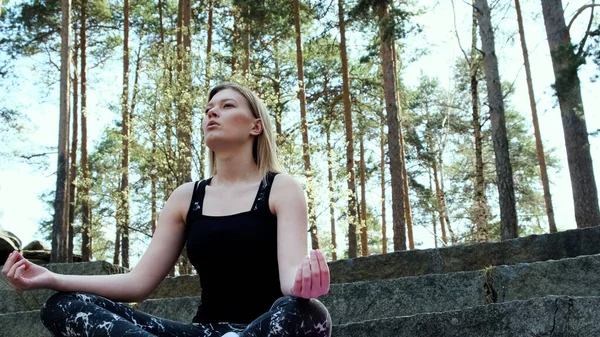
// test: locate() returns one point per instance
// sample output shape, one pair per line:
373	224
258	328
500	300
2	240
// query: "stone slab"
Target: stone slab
180	309
556	316
22	324
469	257
186	285
548	316
12	301
360	301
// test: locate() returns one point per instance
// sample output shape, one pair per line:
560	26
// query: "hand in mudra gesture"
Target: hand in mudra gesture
22	274
312	278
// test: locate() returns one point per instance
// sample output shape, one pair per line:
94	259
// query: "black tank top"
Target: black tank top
235	257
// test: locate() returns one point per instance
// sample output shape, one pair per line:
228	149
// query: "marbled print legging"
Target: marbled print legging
80	314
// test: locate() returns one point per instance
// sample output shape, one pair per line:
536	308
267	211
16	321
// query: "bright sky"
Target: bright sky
20	185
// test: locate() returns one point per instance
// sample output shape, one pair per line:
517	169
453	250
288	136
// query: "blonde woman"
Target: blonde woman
245	231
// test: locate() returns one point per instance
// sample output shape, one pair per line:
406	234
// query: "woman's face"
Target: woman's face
228	120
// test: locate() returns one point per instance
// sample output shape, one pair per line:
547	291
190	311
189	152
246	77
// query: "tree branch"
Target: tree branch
587	31
37	155
579	11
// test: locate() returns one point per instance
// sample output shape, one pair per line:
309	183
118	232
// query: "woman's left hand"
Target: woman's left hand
312	278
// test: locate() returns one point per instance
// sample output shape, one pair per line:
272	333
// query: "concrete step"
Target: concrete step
361	301
557	316
13	301
394	265
567	244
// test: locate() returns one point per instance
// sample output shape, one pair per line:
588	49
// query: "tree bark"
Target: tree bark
351	179
536	127
125	133
433	220
60	228
73	159
481	211
86	238
246	40
312	216
382	173
508	214
330	184
568	92
364	240
407	206
184	107
207	76
393	123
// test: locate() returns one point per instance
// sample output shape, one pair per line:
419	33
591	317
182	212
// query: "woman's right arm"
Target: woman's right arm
160	256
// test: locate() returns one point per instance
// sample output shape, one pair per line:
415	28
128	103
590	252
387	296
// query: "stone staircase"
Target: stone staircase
545	285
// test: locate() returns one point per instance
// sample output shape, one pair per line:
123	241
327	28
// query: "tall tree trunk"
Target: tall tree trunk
330	192
536	127
394	148
207	76
117	254
235	39
86	238
407	206
312	216
351	179
433	220
364	240
279	105
568	92
440	207
73	159
508	214
246	40
153	177
60	226
209	34
125	133
481	211
184	107
382	173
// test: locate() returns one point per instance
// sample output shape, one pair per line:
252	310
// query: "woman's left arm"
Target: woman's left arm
300	275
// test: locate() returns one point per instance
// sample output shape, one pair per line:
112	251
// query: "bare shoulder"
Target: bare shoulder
286	190
179	201
285	181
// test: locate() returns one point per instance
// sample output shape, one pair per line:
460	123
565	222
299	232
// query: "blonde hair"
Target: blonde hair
264	149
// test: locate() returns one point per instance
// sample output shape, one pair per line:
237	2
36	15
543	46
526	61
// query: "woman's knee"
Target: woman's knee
61	305
313	314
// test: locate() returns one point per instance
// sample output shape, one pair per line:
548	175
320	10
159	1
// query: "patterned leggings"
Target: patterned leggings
79	314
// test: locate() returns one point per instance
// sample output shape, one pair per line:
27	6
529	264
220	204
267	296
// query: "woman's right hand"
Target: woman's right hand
22	274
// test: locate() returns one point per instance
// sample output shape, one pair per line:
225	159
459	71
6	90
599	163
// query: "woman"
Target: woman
245	231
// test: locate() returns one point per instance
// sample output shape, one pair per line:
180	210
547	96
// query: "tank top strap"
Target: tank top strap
197	198
264	191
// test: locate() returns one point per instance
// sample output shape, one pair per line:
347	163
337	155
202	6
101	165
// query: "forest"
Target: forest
387	160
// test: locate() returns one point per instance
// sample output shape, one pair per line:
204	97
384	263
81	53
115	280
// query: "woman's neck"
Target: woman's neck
235	167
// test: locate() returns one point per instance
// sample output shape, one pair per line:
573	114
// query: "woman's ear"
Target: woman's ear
257	128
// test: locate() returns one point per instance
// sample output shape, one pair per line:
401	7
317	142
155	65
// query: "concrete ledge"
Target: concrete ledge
549	316
469	257
186	285
557	316
22	324
360	301
13	301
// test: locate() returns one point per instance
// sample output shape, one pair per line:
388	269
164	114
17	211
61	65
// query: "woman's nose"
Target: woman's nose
212	112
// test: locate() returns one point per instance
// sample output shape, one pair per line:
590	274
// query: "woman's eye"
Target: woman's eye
228	105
